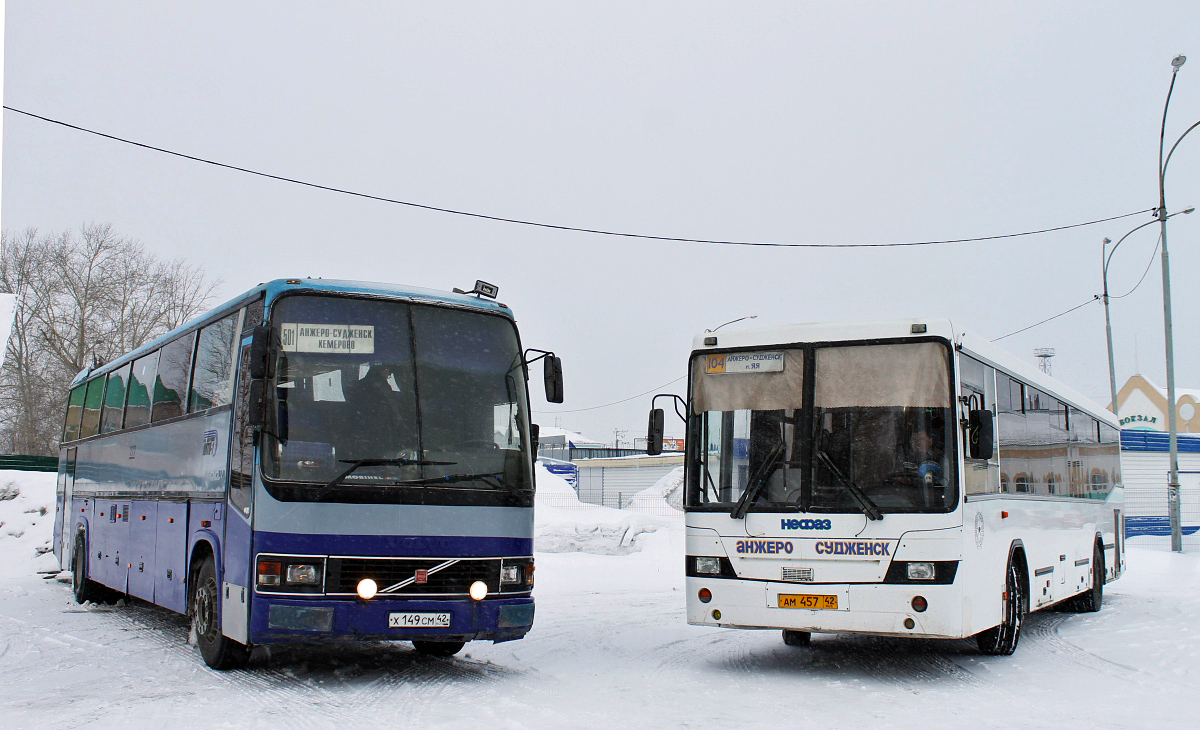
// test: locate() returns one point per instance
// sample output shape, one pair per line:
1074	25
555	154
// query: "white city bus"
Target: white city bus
896	478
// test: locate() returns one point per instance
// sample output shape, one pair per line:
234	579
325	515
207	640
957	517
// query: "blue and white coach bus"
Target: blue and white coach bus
313	459
895	478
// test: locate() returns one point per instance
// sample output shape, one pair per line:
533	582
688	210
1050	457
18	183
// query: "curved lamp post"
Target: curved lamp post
1172	416
1106	257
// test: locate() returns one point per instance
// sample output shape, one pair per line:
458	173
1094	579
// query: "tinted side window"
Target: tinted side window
74	413
170	387
141	386
114	401
212	381
92	401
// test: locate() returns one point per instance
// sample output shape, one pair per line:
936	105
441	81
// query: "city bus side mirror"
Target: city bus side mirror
552	367
535	431
256	408
260	346
980	435
654	432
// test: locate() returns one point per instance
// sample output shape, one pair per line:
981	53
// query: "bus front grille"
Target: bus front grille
399	576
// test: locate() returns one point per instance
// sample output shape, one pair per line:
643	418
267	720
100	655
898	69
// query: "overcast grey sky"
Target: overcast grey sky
836	122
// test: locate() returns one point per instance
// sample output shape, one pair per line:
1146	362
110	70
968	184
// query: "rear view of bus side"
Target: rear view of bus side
893	478
312	460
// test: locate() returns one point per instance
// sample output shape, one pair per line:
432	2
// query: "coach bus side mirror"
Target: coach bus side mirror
980	434
552	367
654	432
256	408
535	431
260	346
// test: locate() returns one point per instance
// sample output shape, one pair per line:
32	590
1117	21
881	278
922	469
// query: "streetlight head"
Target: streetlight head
1106	240
1186	211
1178	61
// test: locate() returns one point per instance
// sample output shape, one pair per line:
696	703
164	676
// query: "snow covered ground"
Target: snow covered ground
609	649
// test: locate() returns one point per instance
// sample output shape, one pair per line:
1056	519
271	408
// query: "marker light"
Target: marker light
919	604
716	614
367	589
705	595
478	590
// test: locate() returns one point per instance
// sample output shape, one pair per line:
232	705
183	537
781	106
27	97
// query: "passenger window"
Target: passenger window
254	315
114	401
92	401
170	387
74	413
212	381
141	386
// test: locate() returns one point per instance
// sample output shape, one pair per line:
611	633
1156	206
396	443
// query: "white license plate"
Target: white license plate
419	620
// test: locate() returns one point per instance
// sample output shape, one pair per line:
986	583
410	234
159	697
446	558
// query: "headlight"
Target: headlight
367	589
920	571
478	590
708	566
510	575
303	575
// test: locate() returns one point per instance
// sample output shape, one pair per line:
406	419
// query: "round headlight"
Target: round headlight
478	590
367	589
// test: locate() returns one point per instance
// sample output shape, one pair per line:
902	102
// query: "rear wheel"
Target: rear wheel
218	650
1002	640
82	588
1091	600
438	648
796	638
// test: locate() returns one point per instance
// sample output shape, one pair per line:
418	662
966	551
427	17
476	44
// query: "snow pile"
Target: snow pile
666	493
563	524
26	521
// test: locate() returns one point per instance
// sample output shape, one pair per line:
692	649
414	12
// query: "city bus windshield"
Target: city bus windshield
848	428
379	400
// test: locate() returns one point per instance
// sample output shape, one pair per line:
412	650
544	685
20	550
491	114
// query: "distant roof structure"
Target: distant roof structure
550	435
1142	406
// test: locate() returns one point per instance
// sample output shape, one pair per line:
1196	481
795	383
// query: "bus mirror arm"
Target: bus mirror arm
655	427
552	369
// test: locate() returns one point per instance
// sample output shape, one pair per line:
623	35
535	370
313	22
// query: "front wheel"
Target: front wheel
218	650
438	648
1002	640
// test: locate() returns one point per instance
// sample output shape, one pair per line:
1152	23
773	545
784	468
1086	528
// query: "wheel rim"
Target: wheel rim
204	610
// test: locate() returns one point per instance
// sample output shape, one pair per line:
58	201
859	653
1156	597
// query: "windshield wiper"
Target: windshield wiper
493	479
357	463
757	482
864	502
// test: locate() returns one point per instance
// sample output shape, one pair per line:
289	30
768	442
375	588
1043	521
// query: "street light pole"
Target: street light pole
1173	511
1105	258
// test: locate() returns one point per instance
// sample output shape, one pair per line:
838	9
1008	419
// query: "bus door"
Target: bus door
64	519
237	541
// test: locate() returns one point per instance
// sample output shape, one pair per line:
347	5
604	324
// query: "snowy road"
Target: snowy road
609	649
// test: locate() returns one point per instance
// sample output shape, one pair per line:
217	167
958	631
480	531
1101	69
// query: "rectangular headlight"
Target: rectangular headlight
303	575
708	566
510	575
920	571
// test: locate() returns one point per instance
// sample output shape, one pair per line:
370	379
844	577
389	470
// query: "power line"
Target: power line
616	402
552	226
1095	297
1147	271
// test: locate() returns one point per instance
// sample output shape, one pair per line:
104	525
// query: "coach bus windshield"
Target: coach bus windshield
378	400
847	428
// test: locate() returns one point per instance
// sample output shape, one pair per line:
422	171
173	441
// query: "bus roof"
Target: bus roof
275	288
889	329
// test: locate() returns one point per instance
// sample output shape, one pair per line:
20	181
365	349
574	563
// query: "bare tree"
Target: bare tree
82	298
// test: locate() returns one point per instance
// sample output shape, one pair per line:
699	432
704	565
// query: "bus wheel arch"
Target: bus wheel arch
1002	640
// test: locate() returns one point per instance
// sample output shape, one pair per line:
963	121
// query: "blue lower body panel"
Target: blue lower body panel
293	619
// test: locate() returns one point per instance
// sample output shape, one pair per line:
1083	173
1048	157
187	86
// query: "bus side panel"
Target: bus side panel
142	537
171	556
986	544
236	587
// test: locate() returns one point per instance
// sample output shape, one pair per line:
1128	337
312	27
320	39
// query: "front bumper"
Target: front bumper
274	620
874	608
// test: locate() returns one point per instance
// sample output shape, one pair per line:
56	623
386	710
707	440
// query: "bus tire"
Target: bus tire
1092	599
1002	640
438	648
218	650
796	638
82	588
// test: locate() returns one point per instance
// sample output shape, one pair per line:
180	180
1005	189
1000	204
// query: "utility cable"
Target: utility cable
616	402
1147	271
1095	298
552	226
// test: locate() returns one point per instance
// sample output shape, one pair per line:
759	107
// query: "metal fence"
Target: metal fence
616	501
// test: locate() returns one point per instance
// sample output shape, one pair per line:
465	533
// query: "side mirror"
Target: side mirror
980	434
654	432
256	408
534	432
552	368
260	347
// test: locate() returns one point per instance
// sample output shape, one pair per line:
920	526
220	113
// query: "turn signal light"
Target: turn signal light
919	604
268	572
705	595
